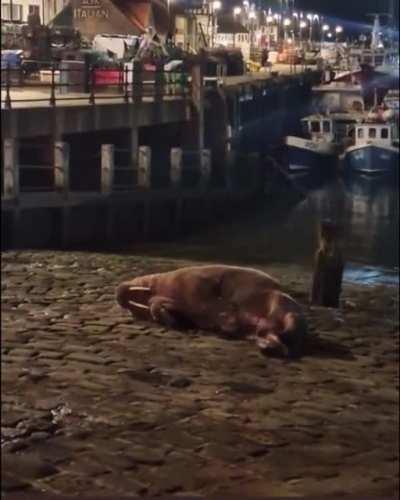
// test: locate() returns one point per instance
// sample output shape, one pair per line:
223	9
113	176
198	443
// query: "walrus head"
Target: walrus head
135	298
282	337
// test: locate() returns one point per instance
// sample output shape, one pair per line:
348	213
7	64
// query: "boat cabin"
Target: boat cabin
374	133
337	97
318	127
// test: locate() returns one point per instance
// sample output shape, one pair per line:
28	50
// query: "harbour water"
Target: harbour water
284	230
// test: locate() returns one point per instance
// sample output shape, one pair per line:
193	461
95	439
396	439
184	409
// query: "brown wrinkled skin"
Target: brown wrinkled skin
228	299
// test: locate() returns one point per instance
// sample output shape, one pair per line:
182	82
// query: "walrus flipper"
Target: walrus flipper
165	311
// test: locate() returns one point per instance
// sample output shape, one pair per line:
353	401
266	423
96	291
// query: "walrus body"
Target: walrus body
228	299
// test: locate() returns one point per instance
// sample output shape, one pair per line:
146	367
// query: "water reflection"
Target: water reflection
368	209
369	212
286	231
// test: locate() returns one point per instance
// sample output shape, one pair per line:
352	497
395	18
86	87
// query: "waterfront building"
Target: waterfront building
92	17
17	11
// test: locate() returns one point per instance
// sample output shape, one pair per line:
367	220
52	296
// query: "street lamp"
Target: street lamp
325	28
286	23
251	16
338	30
237	11
310	18
216	5
302	25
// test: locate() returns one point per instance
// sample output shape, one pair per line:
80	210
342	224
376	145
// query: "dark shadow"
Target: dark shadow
322	348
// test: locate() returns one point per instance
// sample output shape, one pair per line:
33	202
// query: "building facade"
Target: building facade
17	11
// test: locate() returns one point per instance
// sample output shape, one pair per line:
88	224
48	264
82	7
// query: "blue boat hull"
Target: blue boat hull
300	159
372	160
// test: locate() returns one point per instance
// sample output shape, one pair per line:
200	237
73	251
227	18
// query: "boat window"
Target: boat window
360	133
372	133
326	126
315	127
385	133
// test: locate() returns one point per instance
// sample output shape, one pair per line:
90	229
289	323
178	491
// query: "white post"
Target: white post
11	169
107	168
176	166
144	167
205	167
61	167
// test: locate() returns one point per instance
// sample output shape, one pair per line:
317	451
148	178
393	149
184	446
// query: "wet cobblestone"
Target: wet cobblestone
93	402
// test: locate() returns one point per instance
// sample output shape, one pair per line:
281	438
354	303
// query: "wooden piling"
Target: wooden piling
144	167
11	170
328	268
176	167
107	168
61	167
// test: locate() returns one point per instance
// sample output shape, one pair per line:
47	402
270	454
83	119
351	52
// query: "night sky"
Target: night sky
346	9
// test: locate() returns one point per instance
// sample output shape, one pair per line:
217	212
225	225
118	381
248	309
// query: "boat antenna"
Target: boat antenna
376	28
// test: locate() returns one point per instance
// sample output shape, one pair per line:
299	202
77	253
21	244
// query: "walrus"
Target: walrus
228	299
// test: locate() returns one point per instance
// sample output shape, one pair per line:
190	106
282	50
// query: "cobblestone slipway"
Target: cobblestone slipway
93	402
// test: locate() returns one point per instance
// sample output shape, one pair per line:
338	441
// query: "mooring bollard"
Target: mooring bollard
107	168
144	167
329	265
176	167
61	167
205	167
11	169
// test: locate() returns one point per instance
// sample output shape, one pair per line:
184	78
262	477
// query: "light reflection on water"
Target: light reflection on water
286	232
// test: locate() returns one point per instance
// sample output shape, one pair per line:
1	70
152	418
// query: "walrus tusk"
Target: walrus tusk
137	304
139	289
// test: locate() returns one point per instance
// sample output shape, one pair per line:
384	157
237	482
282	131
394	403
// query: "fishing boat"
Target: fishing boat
392	101
376	146
325	136
305	153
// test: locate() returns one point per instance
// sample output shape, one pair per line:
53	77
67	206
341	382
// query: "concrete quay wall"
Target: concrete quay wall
30	122
100	221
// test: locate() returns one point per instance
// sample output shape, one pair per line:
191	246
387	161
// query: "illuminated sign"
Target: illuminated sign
89	9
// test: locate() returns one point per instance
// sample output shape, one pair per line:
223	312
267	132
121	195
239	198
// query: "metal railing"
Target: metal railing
57	83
